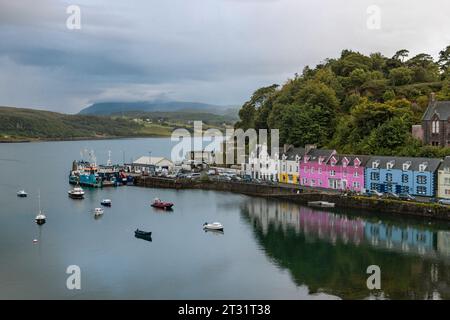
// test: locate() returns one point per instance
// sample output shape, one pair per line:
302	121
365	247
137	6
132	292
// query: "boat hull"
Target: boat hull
76	196
165	206
321	204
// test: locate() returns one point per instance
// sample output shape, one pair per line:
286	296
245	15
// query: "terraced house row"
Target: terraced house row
321	168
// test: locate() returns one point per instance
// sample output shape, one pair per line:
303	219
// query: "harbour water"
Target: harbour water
269	250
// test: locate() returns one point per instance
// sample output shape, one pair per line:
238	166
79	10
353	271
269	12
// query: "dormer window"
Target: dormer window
356	162
375	164
423	166
390	164
320	160
406	165
333	161
297	158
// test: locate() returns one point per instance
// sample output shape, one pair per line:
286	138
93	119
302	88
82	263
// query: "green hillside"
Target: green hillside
27	124
362	104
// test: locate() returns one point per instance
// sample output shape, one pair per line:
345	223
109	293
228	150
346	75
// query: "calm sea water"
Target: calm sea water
270	249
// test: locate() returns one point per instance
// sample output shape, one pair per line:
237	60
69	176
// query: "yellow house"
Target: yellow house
288	167
444	179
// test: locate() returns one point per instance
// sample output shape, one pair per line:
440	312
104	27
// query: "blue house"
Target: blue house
416	176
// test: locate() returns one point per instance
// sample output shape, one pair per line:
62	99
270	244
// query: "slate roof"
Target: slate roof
445	164
351	158
432	163
314	154
441	108
291	153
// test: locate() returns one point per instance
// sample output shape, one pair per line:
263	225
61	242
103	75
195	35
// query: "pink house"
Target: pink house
346	172
326	169
313	168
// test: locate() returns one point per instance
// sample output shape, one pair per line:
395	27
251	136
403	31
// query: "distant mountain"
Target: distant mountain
109	108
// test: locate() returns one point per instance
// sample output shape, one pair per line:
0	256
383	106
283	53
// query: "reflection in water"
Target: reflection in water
330	252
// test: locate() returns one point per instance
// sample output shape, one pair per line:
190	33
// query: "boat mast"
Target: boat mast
39	200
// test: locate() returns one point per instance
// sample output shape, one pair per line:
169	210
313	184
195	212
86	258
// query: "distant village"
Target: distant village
403	177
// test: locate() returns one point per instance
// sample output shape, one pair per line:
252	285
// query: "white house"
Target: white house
261	165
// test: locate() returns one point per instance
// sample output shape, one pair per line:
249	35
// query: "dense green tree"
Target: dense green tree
401	55
355	103
444	59
401	76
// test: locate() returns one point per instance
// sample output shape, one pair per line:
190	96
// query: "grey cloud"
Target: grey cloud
215	51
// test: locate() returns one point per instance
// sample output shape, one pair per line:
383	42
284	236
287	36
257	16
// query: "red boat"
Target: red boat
161	204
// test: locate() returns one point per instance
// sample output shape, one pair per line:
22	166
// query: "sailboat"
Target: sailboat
40	218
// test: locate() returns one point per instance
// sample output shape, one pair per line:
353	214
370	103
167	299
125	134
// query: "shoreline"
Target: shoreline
32	140
302	196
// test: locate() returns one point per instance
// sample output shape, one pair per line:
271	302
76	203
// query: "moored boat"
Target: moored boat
216	226
76	193
98	212
40	218
157	203
22	194
106	202
144	235
321	204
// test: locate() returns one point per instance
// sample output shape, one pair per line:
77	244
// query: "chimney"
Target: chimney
309	147
432	97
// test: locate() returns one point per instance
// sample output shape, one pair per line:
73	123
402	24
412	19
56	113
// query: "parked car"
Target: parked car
374	193
444	201
391	195
406	196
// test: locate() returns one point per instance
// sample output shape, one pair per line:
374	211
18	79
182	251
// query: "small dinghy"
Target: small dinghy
106	202
216	226
76	193
321	204
143	235
98	212
161	204
40	218
22	194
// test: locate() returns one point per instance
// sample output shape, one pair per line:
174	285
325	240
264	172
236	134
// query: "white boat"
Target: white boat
22	194
98	211
213	226
106	202
76	193
321	204
40	218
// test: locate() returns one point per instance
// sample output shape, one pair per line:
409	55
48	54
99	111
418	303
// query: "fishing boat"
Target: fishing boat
143	235
40	218
321	204
106	202
98	212
76	193
157	203
22	194
217	226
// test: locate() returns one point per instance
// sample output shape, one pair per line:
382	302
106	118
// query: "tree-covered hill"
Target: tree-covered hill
356	103
29	124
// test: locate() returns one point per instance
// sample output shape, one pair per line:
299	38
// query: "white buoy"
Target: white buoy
35	240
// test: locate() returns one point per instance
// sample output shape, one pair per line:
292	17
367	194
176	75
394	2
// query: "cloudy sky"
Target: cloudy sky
213	51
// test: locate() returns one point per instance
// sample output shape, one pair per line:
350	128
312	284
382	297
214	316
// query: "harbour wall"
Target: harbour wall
303	196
